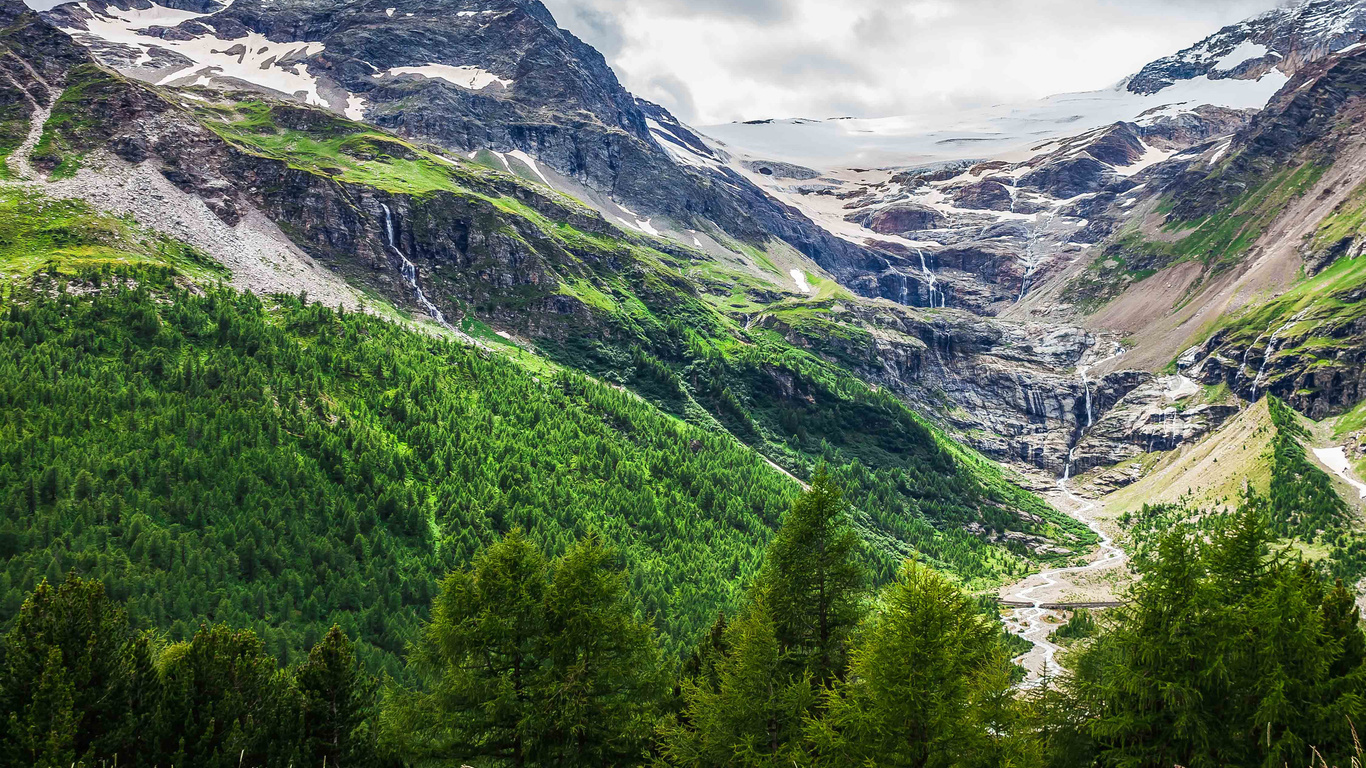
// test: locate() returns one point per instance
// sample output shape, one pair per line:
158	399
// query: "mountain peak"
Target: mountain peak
1284	39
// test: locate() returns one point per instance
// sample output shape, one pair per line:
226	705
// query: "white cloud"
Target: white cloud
716	61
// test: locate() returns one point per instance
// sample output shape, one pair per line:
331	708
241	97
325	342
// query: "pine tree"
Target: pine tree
337	699
928	685
754	713
225	703
599	698
814	585
66	684
482	655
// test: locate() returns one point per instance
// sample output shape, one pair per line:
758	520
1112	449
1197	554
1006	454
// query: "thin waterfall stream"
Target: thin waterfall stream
407	268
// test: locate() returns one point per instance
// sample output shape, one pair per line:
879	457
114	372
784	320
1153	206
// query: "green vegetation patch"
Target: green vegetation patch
1218	240
76	123
38	233
1314	322
1347	221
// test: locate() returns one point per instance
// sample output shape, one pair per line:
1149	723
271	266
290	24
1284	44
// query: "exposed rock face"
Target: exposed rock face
986	195
1152	417
782	170
1188	129
1118	146
538	90
1012	390
1069	178
900	219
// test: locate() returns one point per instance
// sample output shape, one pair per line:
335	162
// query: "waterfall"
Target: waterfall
1086	387
407	268
1029	260
1083	371
1270	348
930	280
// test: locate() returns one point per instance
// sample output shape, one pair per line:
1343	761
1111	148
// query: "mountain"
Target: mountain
356	358
470	76
335	332
1285	39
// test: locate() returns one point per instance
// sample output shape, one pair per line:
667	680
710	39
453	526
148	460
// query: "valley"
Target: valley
346	343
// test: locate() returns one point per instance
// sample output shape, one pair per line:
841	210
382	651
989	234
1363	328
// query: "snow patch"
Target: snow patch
1336	460
1245	51
251	59
472	78
389	11
799	277
355	107
530	162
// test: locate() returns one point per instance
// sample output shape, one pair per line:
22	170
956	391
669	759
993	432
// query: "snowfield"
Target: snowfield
996	131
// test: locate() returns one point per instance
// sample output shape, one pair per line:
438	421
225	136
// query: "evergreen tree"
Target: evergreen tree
1226	655
482	656
530	663
338	698
225	703
599	702
928	685
71	681
753	714
813	582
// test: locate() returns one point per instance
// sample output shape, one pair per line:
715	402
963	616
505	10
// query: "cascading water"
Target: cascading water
1083	371
1029	260
407	268
930	281
1270	348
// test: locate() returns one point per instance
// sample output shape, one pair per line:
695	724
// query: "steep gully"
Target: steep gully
1029	622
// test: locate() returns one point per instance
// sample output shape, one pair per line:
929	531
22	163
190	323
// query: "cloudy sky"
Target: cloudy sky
714	61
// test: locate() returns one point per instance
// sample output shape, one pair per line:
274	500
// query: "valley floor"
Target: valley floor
1101	578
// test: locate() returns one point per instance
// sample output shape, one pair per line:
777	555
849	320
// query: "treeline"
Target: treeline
1226	655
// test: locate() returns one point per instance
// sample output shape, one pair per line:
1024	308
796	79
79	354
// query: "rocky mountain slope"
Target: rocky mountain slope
497	81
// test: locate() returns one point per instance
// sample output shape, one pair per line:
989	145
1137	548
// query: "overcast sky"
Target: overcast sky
713	61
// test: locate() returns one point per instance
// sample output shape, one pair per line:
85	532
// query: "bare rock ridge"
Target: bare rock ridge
467	75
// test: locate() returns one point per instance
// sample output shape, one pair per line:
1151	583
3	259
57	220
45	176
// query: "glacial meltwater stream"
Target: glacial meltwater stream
1053	583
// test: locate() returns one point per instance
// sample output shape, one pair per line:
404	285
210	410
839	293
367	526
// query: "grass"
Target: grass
40	234
1220	239
1313	321
73	127
1347	220
1217	241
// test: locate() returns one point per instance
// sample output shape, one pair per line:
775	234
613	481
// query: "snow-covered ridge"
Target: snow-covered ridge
991	132
1285	38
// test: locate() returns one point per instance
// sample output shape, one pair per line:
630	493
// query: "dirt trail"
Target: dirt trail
1050	586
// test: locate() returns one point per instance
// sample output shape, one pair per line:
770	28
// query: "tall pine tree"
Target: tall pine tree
813	582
